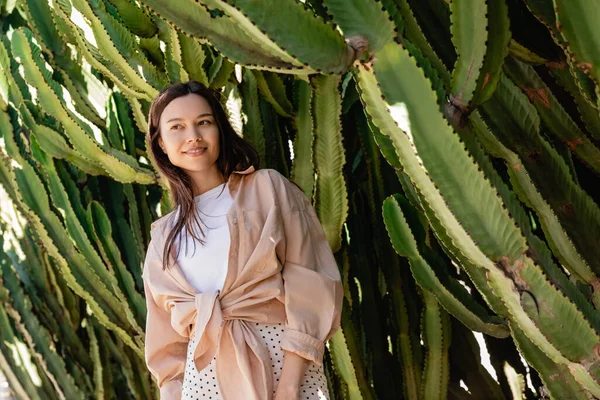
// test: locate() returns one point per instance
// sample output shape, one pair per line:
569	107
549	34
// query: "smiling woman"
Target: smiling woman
185	117
191	140
245	315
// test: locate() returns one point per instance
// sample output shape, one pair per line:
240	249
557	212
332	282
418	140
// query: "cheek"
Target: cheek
213	136
169	145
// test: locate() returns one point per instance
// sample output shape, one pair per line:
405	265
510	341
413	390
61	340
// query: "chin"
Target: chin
196	167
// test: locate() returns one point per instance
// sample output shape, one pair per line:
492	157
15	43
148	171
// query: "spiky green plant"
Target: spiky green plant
451	150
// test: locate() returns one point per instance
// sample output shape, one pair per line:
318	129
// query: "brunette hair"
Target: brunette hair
235	154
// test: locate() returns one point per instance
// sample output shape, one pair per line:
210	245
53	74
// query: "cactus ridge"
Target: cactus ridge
469	32
34	210
483	217
331	197
453	297
78	136
303	169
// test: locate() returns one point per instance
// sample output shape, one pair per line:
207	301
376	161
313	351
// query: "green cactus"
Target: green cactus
450	149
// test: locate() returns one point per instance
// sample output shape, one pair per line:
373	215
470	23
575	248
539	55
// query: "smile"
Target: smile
195	152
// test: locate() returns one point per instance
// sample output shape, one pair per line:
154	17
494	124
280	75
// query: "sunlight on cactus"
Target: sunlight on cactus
456	142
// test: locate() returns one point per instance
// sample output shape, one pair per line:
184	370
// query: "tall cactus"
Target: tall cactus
451	150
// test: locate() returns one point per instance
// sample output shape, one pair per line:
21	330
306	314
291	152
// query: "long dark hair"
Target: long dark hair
235	154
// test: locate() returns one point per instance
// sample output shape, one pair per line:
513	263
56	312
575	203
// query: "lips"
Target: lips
196	151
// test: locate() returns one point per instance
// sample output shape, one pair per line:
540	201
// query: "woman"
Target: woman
241	286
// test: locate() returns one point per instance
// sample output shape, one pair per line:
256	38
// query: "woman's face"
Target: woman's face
189	134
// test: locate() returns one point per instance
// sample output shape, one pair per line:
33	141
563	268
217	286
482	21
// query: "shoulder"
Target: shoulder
158	226
287	194
271	176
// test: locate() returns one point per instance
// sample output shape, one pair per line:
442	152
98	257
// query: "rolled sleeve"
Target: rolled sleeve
165	349
312	284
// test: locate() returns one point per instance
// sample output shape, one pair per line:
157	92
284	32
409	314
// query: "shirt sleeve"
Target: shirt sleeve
312	283
165	349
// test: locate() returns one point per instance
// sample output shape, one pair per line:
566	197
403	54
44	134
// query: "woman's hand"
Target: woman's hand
292	374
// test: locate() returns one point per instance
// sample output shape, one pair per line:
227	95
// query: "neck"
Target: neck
206	180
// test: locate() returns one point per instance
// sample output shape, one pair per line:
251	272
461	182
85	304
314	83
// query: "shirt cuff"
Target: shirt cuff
304	345
171	390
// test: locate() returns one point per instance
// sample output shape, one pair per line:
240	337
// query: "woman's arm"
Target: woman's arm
294	367
313	292
165	349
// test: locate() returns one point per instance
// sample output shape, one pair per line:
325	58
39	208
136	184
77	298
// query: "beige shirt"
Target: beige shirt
281	270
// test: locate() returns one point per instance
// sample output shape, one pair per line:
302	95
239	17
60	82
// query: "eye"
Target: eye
175	127
203	122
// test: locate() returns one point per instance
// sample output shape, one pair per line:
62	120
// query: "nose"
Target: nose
193	135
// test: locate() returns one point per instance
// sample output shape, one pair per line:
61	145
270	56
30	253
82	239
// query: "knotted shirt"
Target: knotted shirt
281	270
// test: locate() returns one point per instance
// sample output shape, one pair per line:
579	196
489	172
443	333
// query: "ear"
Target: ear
162	145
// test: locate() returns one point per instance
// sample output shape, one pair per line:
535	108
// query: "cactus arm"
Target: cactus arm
363	18
55	146
503	284
100	22
469	35
313	43
13	367
138	114
558	239
303	168
556	378
498	40
460	305
129	231
537	247
273	90
121	47
260	36
331	197
253	128
92	55
578	20
435	336
193	56
393	10
544	11
225	34
438	147
407	341
343	364
554	116
95	353
44	28
233	105
136	19
9	89
220	72
516	382
173	53
514	120
414	33
110	160
408	161
588	111
76	84
37	337
102	235
32	198
522	53
76	232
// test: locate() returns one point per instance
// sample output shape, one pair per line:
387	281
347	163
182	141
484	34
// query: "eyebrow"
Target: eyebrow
181	119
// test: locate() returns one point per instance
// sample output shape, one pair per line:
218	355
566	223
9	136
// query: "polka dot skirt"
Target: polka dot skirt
203	384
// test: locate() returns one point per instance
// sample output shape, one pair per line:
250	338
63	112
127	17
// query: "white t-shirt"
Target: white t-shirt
206	267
